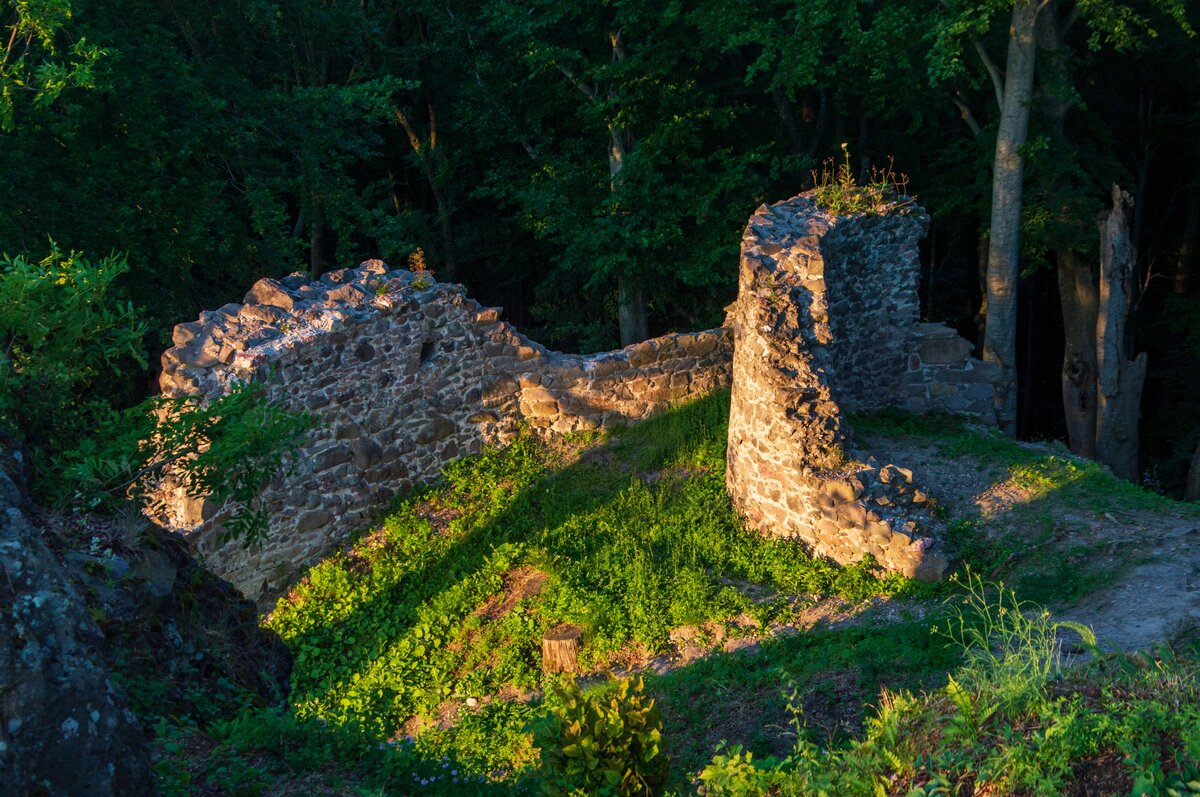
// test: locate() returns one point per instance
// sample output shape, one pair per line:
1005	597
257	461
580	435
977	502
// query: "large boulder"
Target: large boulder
64	728
90	604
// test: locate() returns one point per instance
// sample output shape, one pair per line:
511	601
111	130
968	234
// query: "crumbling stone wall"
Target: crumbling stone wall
826	323
403	376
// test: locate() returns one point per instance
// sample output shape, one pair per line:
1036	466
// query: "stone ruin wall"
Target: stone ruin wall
826	322
403	376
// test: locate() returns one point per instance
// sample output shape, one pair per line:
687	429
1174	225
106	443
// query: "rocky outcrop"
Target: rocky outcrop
175	629
64	728
105	622
404	376
826	322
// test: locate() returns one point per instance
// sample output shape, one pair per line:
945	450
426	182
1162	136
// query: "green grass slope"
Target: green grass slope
417	648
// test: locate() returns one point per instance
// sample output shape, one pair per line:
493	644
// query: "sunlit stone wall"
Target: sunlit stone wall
825	323
403	377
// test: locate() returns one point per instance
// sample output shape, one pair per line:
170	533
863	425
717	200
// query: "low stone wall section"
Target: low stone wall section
942	376
403	376
825	323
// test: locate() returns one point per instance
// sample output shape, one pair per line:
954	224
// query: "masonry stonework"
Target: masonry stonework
403	376
826	323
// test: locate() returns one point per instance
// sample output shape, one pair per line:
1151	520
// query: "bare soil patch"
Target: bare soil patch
1154	554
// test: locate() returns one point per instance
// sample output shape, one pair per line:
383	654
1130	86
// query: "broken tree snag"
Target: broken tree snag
560	649
1119	378
1077	292
1192	491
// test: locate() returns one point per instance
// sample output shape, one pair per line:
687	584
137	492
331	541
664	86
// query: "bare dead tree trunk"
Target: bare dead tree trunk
1000	336
1120	379
1079	299
1191	491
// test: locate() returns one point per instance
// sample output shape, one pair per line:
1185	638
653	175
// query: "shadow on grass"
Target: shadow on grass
821	682
639	535
548	501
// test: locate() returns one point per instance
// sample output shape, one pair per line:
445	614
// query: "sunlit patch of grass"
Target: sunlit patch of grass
633	533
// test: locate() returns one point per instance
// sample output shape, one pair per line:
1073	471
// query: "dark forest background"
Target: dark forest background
213	142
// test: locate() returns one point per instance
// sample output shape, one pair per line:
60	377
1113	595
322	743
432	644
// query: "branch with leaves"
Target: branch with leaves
224	451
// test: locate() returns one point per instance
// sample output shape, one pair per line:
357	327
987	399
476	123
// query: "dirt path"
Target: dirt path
1152	555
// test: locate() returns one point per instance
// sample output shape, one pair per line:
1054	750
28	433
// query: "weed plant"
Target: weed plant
837	190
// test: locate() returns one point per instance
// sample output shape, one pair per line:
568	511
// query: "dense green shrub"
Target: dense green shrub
606	742
64	335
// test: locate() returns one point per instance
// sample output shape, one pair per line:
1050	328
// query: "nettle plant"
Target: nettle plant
837	191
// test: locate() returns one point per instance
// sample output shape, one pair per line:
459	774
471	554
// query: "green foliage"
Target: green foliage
997	726
839	192
605	741
224	450
33	31
65	333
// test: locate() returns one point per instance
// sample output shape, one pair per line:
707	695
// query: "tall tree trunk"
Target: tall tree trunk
1190	244
1077	293
783	106
631	301
428	155
1120	379
1077	289
1000	336
631	311
316	240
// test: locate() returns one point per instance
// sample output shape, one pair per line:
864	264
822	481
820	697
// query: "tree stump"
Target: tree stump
560	649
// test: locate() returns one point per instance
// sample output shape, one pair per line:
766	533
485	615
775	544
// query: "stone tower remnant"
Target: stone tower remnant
826	323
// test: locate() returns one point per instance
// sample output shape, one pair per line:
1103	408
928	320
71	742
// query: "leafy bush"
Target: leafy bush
223	450
606	742
62	334
65	336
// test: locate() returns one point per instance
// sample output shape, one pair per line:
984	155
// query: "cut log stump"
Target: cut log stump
560	649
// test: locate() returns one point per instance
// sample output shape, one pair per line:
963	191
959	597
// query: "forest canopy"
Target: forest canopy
590	166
